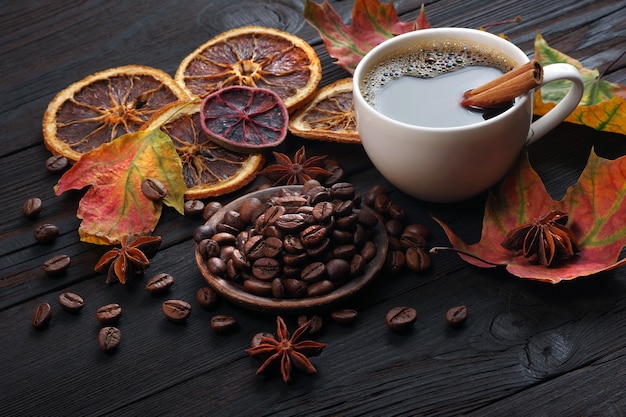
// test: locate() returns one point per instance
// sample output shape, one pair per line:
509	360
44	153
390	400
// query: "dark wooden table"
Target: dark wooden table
527	348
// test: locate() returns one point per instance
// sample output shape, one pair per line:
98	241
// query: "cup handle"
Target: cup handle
550	120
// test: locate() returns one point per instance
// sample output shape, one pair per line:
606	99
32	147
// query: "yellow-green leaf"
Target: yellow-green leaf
603	106
115	206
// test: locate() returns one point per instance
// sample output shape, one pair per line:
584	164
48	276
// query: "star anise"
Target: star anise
289	350
131	259
298	171
547	239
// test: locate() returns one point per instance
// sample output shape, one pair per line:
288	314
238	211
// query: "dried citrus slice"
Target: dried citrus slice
328	116
208	168
105	105
245	119
254	56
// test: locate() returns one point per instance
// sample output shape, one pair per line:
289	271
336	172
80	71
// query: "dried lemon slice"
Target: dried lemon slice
208	169
254	56
105	105
328	116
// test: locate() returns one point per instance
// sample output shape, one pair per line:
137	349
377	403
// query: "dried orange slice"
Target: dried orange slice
245	119
328	116
208	169
105	105
254	56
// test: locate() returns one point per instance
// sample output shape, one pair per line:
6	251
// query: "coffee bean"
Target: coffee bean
367	218
258	287
342	191
159	283
41	316
109	338
417	260
319	288
266	269
418	229
153	189
56	265
202	232
357	265
400	319
56	163
456	316
109	313
368	251
313	272
193	208
223	324
210	209
396	261
208	248
372	193
46	233
250	209
323	211
257	339
71	302
216	266
32	207
207	298
337	269
317	323
272	246
381	204
313	235
345	316
278	289
176	310
295	288
394	227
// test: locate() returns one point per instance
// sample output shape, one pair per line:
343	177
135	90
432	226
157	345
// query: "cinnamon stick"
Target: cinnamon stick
505	88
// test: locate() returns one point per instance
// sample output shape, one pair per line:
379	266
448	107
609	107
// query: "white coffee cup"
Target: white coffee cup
454	163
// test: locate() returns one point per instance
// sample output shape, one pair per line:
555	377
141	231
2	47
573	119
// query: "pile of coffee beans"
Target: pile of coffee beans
294	244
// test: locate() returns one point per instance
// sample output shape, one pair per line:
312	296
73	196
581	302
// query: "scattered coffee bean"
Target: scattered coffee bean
176	310
109	338
41	316
257	339
56	163
159	283
317	323
109	313
400	319
193	208
417	260
345	316
456	316
46	233
71	302
56	265
207	298
222	324
32	207
153	189
210	209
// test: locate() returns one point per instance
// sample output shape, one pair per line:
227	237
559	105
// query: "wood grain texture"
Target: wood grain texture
527	348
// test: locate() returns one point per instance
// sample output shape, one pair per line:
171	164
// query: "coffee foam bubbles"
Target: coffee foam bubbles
430	59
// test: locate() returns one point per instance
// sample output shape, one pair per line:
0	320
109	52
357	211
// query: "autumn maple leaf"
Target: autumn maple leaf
596	216
372	23
115	206
603	106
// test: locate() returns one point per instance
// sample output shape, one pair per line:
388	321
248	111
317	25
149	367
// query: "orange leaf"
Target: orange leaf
115	206
596	206
603	106
372	23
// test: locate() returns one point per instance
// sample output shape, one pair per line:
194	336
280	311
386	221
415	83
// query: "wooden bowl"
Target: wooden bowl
235	293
